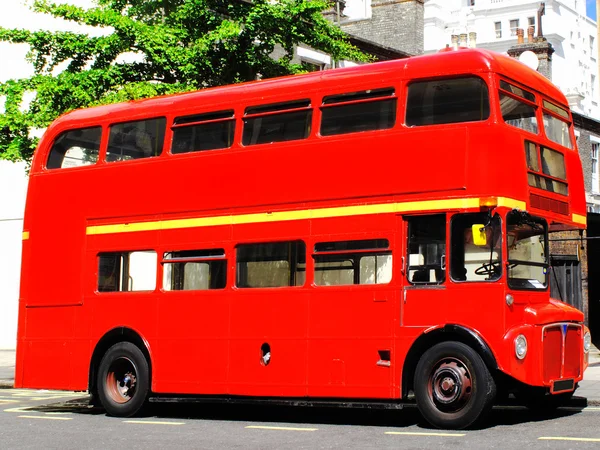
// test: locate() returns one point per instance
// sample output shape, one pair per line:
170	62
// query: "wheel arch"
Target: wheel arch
449	332
112	337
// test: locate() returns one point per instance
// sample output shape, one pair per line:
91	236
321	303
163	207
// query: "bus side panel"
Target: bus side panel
48	348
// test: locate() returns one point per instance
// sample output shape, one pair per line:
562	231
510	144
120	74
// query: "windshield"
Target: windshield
471	261
527	251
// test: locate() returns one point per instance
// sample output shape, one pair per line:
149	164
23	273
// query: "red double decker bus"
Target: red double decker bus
349	236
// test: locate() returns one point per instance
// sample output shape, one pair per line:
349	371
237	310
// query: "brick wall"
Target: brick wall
397	24
585	153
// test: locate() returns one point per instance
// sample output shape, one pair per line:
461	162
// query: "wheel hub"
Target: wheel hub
450	384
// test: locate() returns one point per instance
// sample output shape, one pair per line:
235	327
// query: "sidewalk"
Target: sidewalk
589	388
7	368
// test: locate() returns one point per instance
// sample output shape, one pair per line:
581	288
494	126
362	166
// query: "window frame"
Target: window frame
523	97
125	262
540	171
105	149
293	268
485	83
64	133
363	96
278	109
222	256
381	247
228	116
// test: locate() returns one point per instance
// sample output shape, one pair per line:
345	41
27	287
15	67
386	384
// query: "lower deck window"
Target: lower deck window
274	264
127	271
353	262
194	270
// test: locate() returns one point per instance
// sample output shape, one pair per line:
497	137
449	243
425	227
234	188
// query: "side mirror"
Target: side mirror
479	237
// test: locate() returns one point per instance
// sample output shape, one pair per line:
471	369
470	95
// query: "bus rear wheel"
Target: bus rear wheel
453	387
123	380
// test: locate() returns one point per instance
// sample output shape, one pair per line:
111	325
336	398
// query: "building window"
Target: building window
275	264
592	40
514	24
595	147
127	271
312	66
498	28
194	270
353	262
531	23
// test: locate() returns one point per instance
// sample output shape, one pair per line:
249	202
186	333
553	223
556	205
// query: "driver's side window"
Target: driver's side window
427	249
472	261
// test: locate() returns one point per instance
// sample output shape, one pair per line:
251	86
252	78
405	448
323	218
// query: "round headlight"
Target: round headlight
520	346
587	342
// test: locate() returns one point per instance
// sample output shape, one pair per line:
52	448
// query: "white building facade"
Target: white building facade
13	176
564	24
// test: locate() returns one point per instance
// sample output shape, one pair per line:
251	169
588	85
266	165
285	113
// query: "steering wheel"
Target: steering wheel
489	269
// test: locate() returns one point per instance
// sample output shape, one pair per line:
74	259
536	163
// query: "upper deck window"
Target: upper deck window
518	109
373	109
134	140
556	124
210	131
552	165
277	122
447	101
75	148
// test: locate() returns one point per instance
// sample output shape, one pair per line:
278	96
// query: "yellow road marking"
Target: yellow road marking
559	438
259	427
150	422
46	417
21	409
415	433
3	401
317	213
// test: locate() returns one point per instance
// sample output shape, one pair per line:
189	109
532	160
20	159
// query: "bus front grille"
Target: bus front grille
562	348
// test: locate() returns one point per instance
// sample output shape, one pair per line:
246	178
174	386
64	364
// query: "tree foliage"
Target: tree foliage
172	46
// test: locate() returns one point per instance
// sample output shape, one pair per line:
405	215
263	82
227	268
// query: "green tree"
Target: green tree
181	45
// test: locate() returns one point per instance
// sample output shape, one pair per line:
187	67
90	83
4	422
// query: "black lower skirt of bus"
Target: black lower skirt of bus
285	401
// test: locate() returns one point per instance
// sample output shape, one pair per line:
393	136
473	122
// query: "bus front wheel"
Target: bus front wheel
123	380
453	387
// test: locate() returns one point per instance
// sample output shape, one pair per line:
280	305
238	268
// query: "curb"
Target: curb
7	384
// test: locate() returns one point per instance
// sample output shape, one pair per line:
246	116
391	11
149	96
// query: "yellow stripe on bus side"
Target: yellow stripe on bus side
282	216
25	235
579	219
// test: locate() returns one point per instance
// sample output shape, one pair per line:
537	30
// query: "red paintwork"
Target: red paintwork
324	340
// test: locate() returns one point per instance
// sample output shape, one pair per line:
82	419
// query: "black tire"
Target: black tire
123	380
453	387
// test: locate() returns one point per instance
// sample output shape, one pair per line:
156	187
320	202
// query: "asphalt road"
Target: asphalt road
51	419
